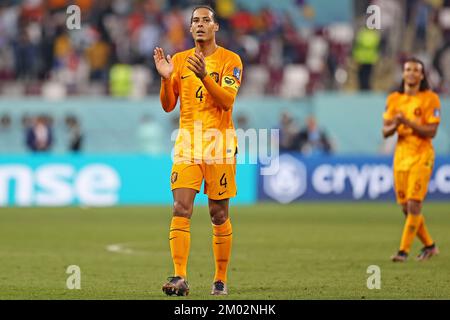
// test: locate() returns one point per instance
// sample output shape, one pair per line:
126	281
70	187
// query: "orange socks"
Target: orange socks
180	241
222	240
423	234
412	224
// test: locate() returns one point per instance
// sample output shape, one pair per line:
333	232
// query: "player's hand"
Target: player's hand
197	65
400	118
163	65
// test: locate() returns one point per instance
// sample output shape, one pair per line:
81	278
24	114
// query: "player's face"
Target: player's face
412	73
203	27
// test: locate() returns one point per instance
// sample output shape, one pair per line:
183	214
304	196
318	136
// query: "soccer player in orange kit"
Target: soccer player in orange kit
413	112
206	79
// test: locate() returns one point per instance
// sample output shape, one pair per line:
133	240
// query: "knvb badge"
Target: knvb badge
237	73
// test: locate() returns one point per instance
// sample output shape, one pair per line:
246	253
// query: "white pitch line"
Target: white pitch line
119	248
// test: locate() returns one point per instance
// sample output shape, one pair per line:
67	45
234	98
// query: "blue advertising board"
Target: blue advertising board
88	180
342	178
44	180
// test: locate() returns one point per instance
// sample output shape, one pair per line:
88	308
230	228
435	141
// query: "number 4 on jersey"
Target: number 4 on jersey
199	93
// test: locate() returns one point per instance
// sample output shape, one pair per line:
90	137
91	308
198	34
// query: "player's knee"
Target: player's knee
182	209
218	219
405	209
218	215
414	206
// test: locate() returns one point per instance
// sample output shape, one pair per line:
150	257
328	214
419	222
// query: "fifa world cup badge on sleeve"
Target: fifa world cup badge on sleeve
237	73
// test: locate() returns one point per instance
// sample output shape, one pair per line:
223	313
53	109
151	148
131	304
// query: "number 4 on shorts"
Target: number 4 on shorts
223	181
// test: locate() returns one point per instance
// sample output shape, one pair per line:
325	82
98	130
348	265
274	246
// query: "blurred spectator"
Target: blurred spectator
5	122
150	135
391	24
288	133
62	47
36	45
422	16
120	80
39	135
225	8
366	54
442	54
312	140
97	56
75	135
242	122
7	133
174	24
56	5
26	54
140	78
147	37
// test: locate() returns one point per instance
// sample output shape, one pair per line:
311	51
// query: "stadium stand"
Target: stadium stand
290	49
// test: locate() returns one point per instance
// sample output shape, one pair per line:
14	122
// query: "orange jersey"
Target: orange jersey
206	130
423	108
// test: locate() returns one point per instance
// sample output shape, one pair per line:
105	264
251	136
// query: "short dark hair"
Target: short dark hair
424	85
204	7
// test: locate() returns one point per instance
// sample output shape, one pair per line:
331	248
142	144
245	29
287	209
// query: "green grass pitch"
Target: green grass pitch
299	251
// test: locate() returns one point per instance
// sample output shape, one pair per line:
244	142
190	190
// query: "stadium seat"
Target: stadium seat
444	18
318	46
94	88
341	33
256	78
295	80
318	49
12	89
141	80
53	90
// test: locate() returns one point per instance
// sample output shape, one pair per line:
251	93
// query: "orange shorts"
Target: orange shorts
412	184
220	179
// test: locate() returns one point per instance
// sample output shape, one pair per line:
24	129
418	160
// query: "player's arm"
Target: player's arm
224	97
389	127
165	67
422	130
390	123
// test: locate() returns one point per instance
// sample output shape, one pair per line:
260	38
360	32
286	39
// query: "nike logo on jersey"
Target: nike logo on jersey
221	193
172	238
184	77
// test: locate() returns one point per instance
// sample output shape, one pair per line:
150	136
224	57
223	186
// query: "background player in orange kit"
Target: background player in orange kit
206	79
414	113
